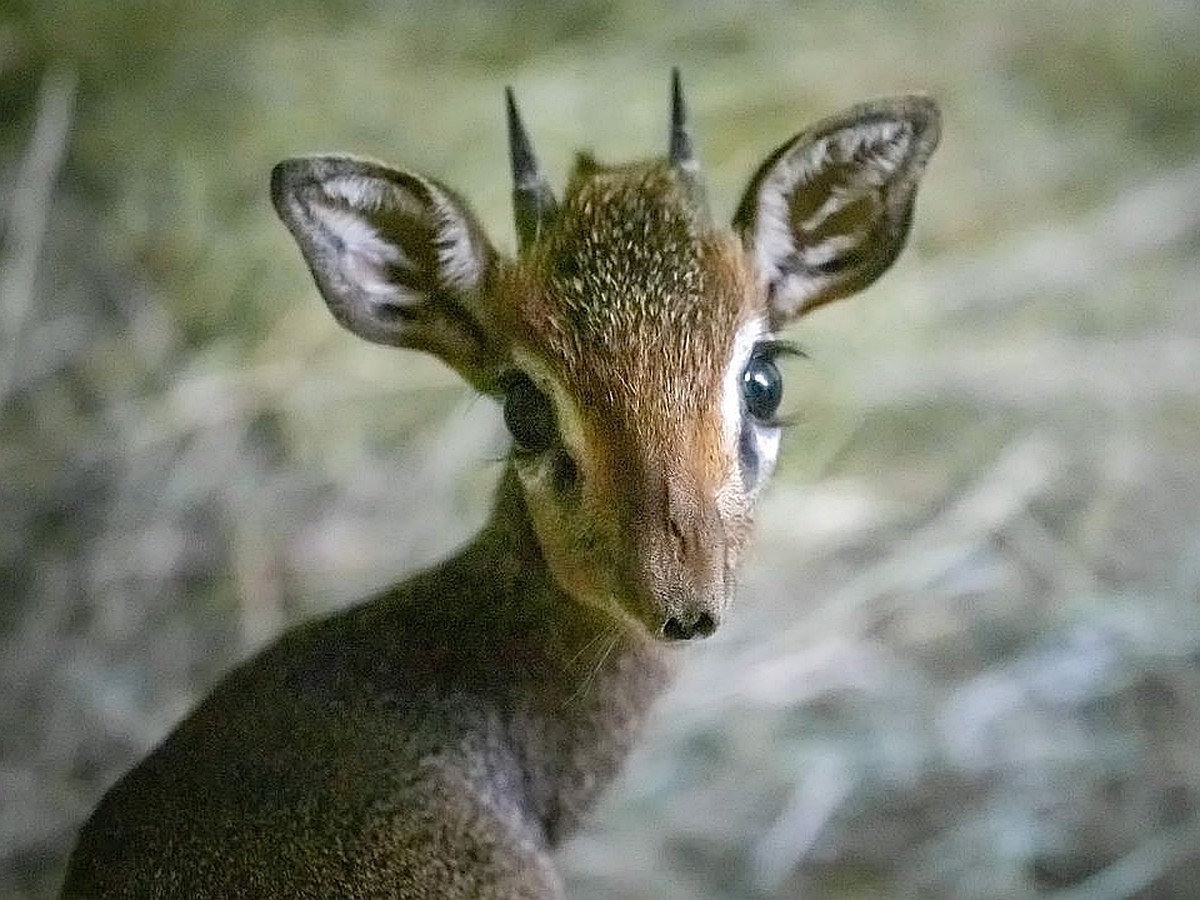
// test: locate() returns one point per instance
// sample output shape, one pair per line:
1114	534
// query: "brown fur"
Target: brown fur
442	738
363	754
644	369
673	293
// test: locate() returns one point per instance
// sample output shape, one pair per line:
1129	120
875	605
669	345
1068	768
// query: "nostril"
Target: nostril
677	629
673	630
705	625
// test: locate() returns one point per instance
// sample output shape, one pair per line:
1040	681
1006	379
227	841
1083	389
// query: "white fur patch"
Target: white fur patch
766	448
370	194
368	259
459	260
363	252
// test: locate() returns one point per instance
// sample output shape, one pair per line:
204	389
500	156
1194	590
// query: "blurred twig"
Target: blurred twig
1135	873
990	504
25	228
796	830
1146	218
1108	374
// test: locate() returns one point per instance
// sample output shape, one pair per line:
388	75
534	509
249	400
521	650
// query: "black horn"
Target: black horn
683	155
534	206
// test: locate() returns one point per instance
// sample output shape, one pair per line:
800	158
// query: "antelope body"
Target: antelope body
440	739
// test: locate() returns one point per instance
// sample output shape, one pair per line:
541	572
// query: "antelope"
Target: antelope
440	739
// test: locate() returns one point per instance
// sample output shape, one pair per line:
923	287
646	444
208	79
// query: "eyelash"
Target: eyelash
774	347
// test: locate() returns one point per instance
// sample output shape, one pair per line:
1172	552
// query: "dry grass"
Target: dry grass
967	661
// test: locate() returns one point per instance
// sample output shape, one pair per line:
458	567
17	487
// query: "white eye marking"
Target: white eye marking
732	404
566	413
751	444
764	445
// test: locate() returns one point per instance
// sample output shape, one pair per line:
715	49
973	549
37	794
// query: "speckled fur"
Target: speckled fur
672	292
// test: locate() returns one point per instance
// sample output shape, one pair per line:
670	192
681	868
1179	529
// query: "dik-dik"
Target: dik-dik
440	739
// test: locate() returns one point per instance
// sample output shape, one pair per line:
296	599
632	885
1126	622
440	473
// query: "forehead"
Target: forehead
631	300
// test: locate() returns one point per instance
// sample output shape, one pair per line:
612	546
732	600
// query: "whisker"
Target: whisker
587	646
613	634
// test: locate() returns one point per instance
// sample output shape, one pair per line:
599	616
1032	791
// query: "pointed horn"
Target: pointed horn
683	155
534	206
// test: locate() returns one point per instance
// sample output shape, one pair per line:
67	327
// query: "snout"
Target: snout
675	546
684	626
672	606
687	613
683	580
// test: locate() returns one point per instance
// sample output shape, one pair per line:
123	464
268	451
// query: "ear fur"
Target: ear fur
828	212
398	258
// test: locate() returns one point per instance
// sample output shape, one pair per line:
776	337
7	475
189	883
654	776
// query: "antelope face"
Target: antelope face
643	396
632	343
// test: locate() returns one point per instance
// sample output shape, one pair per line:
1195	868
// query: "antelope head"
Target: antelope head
631	341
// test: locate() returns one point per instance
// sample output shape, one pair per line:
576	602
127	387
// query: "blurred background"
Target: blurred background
966	659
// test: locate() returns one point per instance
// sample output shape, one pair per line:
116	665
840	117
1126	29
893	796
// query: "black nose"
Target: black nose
687	627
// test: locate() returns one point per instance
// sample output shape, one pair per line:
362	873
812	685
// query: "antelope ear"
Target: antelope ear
398	258
828	212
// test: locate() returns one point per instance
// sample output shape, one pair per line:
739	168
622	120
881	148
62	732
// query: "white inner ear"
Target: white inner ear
459	259
364	256
878	149
368	260
370	194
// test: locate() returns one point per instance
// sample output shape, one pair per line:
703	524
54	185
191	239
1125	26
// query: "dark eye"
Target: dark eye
529	416
762	387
